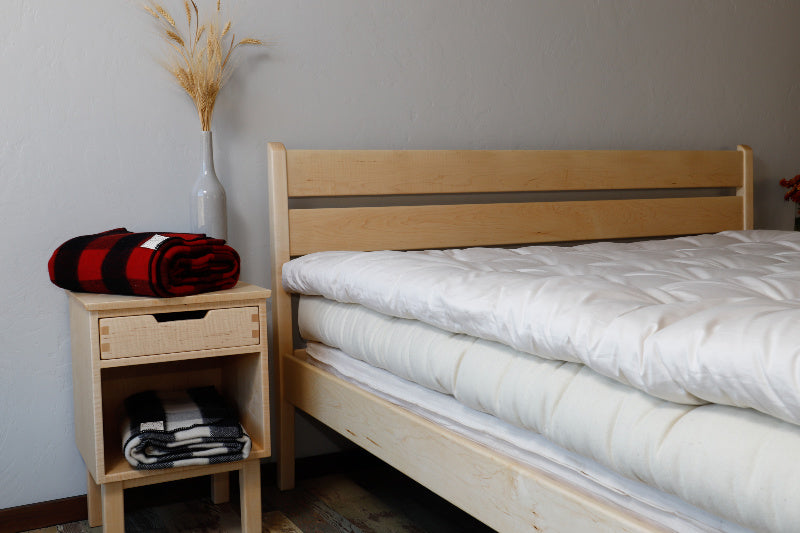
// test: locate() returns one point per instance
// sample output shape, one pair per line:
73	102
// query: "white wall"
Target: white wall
95	136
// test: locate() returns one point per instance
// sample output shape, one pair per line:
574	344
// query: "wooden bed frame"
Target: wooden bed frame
502	493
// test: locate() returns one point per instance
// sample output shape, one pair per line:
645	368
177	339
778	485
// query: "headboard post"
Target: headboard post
279	249
745	191
281	304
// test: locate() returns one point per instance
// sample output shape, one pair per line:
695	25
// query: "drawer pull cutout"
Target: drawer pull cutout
180	315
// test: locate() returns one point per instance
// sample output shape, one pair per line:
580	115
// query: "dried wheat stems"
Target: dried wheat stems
200	56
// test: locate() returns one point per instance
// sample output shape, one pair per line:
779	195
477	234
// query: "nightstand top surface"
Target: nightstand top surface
104	302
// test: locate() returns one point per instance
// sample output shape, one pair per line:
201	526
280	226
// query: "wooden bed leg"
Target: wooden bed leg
93	502
286	446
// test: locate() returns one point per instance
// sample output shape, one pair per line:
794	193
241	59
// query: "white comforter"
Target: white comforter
692	320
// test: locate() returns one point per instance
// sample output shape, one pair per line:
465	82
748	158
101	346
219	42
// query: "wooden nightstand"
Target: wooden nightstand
126	344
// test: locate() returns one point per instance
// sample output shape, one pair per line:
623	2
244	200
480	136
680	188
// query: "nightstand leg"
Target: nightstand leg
250	495
93	503
113	508
220	487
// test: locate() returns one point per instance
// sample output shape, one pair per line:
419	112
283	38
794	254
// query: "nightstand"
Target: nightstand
127	344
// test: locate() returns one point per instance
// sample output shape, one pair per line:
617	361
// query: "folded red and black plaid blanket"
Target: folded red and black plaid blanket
144	264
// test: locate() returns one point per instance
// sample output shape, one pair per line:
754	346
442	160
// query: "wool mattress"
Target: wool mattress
736	463
670	362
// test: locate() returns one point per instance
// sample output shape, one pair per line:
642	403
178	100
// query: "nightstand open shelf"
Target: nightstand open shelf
236	377
124	344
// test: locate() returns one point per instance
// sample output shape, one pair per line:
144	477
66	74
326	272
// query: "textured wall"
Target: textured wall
95	136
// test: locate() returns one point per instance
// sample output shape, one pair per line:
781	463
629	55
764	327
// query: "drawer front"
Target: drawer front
131	336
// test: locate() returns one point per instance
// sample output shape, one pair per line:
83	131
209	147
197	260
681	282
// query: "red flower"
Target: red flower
793	185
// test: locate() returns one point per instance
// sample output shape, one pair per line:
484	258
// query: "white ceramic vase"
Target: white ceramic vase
209	212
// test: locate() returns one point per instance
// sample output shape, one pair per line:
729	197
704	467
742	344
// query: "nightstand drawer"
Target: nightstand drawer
130	336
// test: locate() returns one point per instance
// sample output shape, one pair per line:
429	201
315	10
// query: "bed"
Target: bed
450	200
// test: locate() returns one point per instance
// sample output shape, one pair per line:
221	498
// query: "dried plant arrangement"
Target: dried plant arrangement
200	58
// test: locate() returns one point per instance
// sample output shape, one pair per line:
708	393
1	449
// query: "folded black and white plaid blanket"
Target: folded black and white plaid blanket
192	427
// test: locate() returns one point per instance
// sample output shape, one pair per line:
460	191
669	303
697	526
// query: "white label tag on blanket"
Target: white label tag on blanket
154	242
151	426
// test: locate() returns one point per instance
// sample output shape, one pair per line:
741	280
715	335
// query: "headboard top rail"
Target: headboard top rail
398	172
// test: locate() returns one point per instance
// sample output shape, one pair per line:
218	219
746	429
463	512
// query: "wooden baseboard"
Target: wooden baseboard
44	514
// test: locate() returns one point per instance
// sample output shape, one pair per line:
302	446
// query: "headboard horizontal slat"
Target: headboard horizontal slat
380	172
446	226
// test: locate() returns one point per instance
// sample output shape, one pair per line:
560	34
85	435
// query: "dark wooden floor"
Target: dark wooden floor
350	492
